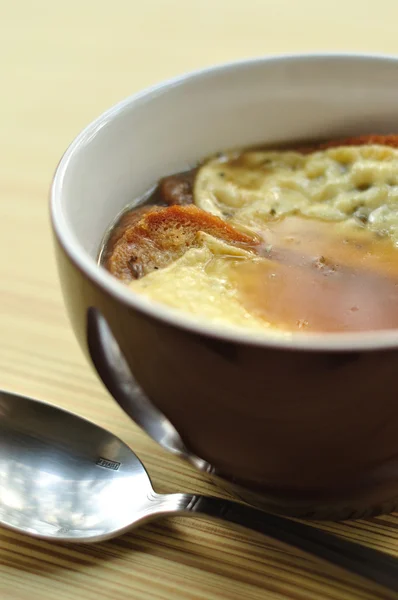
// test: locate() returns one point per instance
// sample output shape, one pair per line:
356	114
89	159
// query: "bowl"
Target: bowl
305	425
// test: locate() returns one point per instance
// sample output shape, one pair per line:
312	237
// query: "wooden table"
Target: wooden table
62	64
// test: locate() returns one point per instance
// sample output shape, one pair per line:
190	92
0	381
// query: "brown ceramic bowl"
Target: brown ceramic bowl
306	425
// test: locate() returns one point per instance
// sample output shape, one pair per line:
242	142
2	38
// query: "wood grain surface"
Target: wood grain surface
62	64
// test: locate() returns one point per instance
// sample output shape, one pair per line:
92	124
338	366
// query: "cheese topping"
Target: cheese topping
329	262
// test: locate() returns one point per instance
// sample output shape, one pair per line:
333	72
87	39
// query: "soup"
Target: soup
282	240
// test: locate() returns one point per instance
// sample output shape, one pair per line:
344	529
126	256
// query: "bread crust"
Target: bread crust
390	140
162	235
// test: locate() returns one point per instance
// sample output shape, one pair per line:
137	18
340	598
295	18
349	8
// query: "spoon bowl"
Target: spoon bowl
63	477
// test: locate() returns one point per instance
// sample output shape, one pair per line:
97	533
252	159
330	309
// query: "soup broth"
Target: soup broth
286	241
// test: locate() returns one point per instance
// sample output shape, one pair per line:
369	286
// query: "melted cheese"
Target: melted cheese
199	283
358	183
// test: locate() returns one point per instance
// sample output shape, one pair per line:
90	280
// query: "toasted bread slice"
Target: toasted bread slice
162	235
177	189
390	140
126	221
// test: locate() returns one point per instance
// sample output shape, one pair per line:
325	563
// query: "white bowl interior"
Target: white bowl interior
170	127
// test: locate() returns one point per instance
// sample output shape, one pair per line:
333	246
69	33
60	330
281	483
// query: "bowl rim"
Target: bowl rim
331	342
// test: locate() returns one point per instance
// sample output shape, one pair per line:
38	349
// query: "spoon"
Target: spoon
63	478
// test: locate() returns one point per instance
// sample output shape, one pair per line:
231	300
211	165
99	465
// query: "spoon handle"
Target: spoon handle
376	566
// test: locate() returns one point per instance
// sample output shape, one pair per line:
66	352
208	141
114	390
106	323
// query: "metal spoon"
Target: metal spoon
65	479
